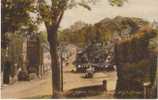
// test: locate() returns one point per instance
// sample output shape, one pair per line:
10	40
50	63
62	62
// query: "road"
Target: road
40	87
25	89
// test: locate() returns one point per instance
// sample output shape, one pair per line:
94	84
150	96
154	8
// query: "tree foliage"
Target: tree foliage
101	31
15	14
135	61
15	17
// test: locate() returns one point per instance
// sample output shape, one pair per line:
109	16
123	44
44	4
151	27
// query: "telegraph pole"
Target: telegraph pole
61	67
59	75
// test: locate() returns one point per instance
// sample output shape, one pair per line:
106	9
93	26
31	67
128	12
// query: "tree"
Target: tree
15	16
51	13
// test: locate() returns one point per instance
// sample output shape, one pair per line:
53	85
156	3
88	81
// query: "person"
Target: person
7	71
90	72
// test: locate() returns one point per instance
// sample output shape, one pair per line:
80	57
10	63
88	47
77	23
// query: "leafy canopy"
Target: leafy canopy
16	14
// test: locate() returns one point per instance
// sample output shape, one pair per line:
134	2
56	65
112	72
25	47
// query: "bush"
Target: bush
135	64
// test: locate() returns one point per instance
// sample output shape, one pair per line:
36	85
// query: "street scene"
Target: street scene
79	49
71	80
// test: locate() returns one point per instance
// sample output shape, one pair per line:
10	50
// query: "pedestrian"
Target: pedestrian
7	72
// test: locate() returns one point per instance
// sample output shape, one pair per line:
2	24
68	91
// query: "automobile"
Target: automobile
82	68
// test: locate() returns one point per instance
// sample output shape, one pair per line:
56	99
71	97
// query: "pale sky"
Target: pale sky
147	9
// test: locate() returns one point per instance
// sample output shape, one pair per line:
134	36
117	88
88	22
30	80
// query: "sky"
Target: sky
146	9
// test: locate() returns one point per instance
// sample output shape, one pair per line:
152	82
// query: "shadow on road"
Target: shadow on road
84	91
95	91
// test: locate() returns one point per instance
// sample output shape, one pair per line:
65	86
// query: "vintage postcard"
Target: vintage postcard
79	49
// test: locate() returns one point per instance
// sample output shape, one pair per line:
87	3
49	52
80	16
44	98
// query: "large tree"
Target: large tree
51	13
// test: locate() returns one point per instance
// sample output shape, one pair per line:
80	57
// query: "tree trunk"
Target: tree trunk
56	69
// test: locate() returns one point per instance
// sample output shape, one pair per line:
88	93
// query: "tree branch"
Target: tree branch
59	18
